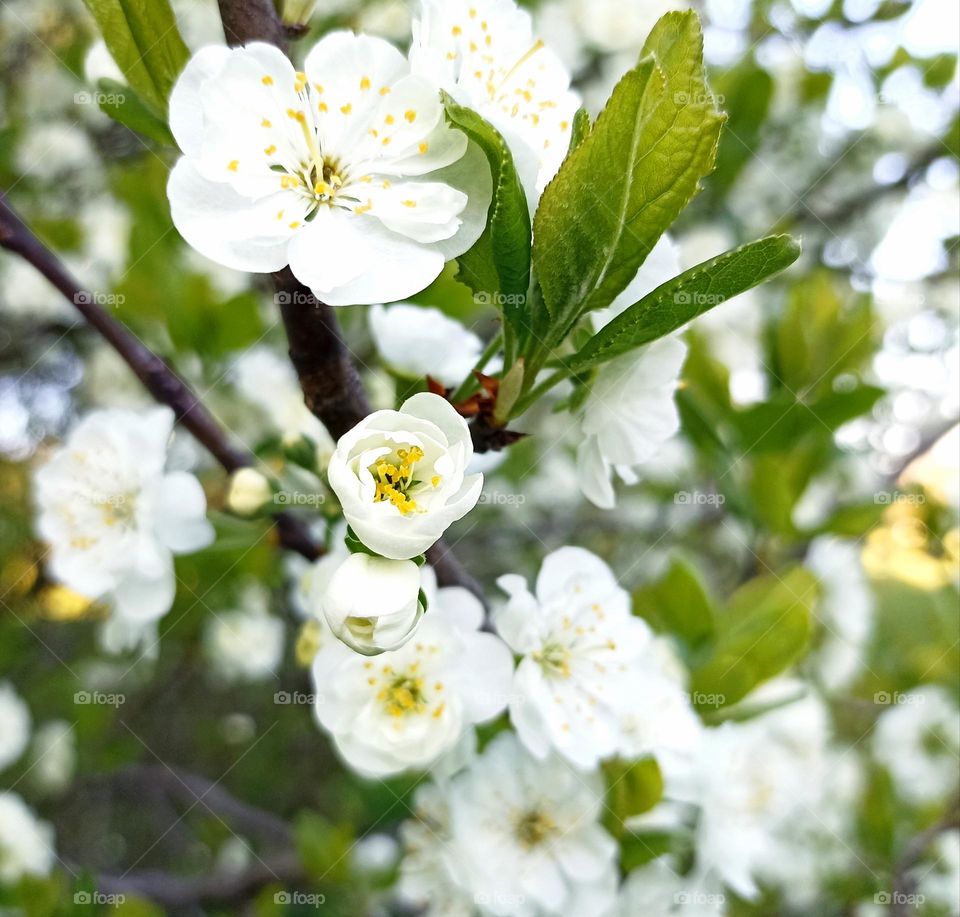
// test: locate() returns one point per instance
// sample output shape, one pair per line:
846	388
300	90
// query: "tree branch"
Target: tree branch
252	20
157	377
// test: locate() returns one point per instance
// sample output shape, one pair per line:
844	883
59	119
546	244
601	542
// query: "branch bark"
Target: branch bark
157	377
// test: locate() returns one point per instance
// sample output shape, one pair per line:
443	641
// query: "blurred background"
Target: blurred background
818	410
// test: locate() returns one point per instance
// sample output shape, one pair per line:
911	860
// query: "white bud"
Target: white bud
248	493
373	604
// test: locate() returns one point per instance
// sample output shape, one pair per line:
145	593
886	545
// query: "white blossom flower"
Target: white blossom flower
53	756
111	515
918	740
373	603
400	476
417	341
26	843
579	642
484	54
409	707
245	644
659	890
526	837
630	411
347	170
14	725
845	610
248	492
764	786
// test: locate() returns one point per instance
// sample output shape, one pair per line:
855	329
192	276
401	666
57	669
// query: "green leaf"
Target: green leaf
144	41
633	787
629	179
498	265
508	392
323	847
579	129
677	604
765	628
122	104
676	302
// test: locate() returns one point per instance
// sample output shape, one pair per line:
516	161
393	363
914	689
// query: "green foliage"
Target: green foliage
323	847
633	787
677	604
764	629
122	104
682	299
629	178
498	265
144	41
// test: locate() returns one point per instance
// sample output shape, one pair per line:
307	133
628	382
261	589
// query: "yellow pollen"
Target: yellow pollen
317	88
365	83
439	711
266	123
384	90
386	141
409	203
435	480
267	81
410	115
423	147
279	214
294	224
346	109
270	150
456	30
386	184
234	165
389	119
323	107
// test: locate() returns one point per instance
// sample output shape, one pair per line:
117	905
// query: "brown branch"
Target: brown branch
252	20
904	883
157	377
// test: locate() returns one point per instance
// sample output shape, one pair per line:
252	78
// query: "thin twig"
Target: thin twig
158	378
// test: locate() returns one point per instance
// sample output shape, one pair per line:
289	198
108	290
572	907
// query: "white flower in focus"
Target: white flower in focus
111	515
417	341
14	725
845	609
372	603
630	411
401	476
346	171
407	708
918	741
245	644
484	54
26	843
579	644
526	837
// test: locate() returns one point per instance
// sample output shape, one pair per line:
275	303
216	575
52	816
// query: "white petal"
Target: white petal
423	211
230	229
471	175
593	474
439	411
181	522
186	110
144	598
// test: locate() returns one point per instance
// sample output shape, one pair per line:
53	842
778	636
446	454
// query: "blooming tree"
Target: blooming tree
458	469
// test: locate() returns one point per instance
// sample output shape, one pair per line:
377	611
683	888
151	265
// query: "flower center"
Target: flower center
533	827
395	479
554	659
403	695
